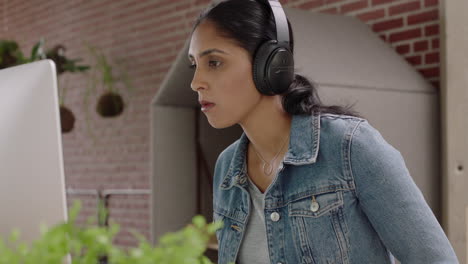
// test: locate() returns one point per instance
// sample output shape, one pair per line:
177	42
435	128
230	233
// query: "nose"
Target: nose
197	83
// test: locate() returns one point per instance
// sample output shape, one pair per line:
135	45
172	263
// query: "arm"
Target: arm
393	203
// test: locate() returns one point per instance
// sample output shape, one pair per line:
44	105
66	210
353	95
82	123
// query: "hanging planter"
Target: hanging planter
110	104
63	64
67	119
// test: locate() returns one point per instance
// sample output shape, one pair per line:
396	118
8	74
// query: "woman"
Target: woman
305	183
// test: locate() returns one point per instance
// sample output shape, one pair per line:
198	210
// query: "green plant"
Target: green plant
10	54
62	63
105	75
86	245
105	72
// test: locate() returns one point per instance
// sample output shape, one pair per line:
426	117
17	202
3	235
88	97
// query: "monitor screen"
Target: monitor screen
32	185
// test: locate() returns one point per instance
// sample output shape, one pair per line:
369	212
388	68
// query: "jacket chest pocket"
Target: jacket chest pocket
318	228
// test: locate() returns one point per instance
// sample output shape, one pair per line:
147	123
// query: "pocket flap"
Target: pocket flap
316	205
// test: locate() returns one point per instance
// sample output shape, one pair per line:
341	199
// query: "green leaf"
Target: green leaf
83	68
199	221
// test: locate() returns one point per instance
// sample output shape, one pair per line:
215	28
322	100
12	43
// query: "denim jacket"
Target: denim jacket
343	195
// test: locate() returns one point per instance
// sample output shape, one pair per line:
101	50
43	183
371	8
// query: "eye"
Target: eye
219	63
193	66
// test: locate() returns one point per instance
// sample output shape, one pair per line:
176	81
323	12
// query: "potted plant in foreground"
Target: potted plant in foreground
87	245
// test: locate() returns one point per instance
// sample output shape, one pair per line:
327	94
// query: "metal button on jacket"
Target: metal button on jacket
275	216
314	206
242	180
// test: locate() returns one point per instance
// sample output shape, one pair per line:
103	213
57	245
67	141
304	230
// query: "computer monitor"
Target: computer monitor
32	185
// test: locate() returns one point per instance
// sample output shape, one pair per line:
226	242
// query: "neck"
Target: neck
267	127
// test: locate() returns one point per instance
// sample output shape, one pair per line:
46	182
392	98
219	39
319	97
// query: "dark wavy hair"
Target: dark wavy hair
249	23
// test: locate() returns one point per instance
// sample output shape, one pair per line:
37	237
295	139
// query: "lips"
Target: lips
206	105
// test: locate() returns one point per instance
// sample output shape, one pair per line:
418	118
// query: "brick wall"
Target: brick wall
114	153
411	27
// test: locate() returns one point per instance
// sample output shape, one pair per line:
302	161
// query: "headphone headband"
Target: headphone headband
282	32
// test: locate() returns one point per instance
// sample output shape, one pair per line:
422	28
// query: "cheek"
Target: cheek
239	96
239	90
236	95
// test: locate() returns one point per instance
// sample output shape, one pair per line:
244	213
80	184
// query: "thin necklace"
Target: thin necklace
270	167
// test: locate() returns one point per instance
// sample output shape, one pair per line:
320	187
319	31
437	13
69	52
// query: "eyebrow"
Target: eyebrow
208	51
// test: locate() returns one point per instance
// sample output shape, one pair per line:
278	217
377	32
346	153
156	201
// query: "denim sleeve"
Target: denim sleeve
393	203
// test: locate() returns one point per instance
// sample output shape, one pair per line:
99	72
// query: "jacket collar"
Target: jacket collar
303	148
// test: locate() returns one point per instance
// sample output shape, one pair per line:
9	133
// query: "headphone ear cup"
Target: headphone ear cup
280	70
273	68
260	67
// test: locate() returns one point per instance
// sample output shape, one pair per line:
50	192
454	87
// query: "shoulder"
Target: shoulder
361	142
334	125
340	118
367	142
361	136
356	128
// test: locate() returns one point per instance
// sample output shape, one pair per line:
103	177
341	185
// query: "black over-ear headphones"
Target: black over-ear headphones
273	63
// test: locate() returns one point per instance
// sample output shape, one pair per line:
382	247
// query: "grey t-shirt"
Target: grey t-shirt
254	248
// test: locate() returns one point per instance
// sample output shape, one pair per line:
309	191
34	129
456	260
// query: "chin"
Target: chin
219	124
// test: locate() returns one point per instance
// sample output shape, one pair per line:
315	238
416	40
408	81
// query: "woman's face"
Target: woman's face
223	75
